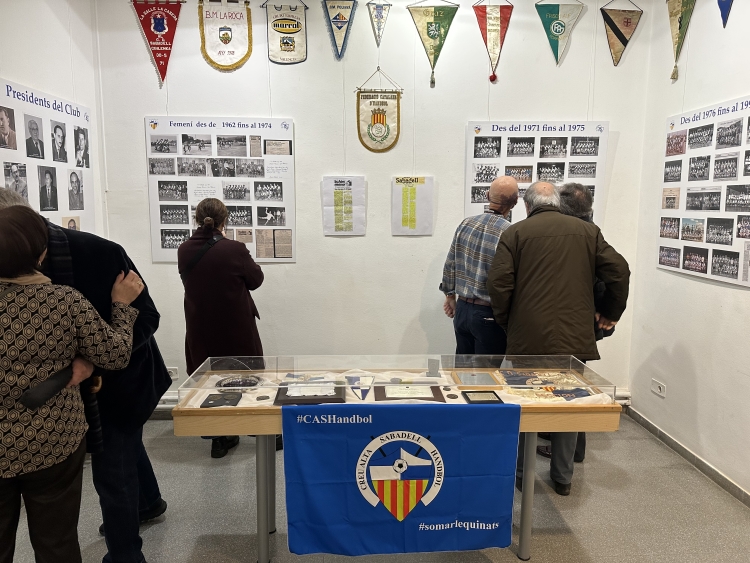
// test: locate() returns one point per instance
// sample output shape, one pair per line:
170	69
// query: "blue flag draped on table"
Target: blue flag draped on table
367	479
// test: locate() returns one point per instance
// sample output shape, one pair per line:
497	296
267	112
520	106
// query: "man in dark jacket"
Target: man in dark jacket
540	285
122	473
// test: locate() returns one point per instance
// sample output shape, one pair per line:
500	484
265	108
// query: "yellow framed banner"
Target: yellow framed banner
226	34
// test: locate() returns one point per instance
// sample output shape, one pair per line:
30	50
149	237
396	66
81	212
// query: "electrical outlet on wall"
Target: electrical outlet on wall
659	388
174	373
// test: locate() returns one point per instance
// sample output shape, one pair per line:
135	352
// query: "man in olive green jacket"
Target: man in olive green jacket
541	287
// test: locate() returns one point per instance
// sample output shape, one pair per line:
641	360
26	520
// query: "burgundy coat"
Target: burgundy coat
219	311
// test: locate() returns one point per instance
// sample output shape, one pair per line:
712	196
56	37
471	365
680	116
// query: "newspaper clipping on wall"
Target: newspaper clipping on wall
412	201
704	224
529	151
344	205
247	163
45	154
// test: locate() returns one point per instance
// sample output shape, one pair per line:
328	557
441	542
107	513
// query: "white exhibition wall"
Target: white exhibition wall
378	293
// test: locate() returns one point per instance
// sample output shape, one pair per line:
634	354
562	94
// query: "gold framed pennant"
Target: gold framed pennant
226	35
379	115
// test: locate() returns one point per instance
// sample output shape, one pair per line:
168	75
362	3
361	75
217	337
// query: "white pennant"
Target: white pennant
378	16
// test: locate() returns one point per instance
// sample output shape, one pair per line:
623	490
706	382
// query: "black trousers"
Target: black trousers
52	498
476	330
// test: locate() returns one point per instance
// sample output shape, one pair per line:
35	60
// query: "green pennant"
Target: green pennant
433	23
558	21
680	12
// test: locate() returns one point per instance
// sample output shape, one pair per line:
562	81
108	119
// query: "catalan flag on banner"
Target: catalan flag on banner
368	479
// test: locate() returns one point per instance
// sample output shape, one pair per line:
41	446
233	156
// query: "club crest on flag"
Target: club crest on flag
159	23
558	20
225	34
400	469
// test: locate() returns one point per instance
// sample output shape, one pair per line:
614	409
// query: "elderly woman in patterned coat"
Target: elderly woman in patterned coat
43	327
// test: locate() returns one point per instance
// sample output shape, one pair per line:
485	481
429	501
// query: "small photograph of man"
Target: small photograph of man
47	188
59	154
81	137
7	128
15	178
75	191
71	223
34	143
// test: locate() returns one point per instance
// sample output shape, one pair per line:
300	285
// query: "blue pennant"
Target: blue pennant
725	6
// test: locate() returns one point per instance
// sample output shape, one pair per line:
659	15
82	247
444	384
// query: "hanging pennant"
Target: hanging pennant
226	34
493	23
433	24
558	21
725	6
620	26
680	12
158	25
379	115
378	16
287	33
339	15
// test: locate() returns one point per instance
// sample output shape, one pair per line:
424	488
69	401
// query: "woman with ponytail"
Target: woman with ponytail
218	275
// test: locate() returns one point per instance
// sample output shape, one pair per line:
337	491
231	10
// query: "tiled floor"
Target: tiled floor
633	500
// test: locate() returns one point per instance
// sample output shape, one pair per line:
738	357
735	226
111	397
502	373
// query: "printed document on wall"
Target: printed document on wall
247	163
344	205
412	203
44	155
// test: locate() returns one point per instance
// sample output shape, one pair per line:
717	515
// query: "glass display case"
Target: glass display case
280	380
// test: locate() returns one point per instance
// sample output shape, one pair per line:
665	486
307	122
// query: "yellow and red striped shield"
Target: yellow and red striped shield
400	497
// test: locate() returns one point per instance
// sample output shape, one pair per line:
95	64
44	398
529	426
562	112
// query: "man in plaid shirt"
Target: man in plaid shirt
464	283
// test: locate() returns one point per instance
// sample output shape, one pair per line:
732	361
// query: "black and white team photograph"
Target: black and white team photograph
16	181
240	216
237	191
669	256
746	169
268	191
719	231
486	173
521	174
695	259
161	166
47	188
582	170
553	147
521	146
171	239
703	199
700	137
673	171
174	215
172	190
164	144
188	166
699	168
669	227
550	172
479	194
487	147
693	229
743	226
670	198
725	264
222	167
738	199
584	146
729	134
250	167
271	217
197	145
231	145
725	166
676	142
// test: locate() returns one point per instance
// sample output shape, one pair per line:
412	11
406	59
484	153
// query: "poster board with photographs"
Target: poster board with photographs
44	154
704	224
554	151
248	163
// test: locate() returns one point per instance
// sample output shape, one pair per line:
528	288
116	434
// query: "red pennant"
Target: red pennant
493	24
158	24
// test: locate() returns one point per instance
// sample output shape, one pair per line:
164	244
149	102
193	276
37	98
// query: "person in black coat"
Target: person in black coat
122	473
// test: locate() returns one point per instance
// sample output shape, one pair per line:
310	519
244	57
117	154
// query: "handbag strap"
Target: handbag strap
197	258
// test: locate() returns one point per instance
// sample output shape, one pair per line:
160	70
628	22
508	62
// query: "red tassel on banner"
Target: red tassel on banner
158	25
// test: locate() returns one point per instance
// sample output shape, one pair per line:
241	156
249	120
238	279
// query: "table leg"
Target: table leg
261	490
271	484
527	496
